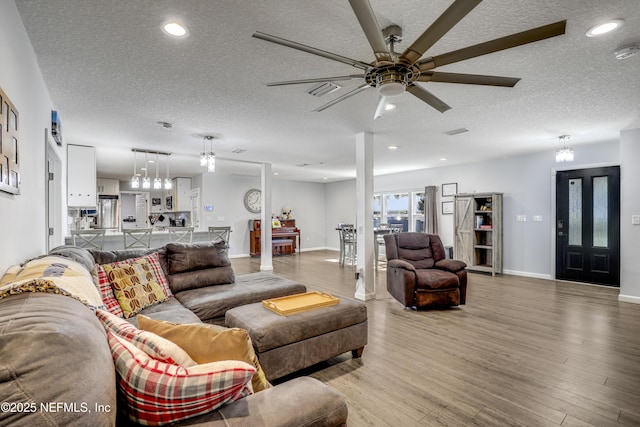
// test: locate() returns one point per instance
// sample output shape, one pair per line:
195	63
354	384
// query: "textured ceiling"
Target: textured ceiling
113	74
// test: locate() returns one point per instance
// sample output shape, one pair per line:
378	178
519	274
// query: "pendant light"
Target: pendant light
167	180
146	182
210	157
157	182
135	180
203	155
564	153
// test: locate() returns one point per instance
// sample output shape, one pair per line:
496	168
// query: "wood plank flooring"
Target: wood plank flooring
521	352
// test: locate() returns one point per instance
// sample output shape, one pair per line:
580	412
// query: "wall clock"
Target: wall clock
253	200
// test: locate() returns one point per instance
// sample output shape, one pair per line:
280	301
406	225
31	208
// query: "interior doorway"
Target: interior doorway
588	225
53	195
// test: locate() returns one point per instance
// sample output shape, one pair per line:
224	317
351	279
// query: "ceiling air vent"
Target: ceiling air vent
456	131
301	165
238	150
323	88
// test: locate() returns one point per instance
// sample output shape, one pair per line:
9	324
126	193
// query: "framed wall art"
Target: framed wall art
450	189
447	208
9	145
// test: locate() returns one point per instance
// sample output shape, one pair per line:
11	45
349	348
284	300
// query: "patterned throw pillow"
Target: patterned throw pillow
101	281
157	393
155	346
137	283
210	343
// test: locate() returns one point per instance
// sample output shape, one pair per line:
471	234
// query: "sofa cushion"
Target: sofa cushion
152	344
170	310
210	343
101	281
137	283
210	304
196	265
157	393
53	349
436	279
75	253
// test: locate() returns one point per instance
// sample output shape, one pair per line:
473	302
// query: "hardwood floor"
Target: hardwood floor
521	352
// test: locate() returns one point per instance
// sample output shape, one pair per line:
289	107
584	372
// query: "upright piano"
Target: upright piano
288	230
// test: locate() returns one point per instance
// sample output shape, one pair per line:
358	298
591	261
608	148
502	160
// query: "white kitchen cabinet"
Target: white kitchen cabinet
81	176
108	187
181	194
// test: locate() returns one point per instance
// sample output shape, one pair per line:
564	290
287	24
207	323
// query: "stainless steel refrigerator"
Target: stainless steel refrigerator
108	212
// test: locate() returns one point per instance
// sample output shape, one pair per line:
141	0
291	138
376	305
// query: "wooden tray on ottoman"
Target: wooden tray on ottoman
298	303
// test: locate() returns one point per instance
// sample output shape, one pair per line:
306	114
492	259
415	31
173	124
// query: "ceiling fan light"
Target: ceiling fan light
389	107
391	88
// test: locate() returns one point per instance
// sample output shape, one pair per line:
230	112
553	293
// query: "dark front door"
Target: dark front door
588	225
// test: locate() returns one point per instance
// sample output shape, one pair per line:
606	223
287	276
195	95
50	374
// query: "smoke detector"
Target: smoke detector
627	51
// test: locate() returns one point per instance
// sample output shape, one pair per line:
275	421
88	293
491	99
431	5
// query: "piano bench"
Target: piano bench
282	246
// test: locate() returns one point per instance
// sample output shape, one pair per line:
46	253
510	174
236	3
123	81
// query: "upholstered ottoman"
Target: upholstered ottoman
285	344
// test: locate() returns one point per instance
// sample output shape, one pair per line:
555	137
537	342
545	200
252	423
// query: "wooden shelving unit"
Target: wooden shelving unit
478	231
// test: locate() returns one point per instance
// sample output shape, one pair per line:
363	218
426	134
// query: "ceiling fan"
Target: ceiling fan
392	74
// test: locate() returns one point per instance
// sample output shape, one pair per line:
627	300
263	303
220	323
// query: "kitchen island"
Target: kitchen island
114	239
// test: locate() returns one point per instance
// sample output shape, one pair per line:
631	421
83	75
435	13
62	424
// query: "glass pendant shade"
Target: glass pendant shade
146	182
135	181
564	154
203	159
211	162
167	184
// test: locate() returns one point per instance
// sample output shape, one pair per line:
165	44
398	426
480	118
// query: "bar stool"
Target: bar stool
137	237
91	239
181	234
348	244
220	233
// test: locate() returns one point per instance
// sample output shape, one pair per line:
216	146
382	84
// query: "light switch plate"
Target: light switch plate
635	219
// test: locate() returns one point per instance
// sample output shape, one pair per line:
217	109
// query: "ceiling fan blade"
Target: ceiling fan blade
380	109
445	22
343	97
519	39
369	24
470	79
428	97
318	80
312	50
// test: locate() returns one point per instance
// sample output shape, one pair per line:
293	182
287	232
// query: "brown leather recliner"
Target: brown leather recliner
419	275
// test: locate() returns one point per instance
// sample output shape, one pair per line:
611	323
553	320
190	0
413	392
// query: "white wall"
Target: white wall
525	182
22	217
225	194
340	207
630	205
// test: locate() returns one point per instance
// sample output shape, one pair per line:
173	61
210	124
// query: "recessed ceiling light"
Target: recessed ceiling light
605	27
443	159
390	107
175	29
392	147
276	173
325	178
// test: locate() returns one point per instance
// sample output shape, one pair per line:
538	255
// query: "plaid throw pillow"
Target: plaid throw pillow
157	393
108	298
137	283
152	344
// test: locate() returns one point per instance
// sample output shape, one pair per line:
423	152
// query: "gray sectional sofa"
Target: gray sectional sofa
56	367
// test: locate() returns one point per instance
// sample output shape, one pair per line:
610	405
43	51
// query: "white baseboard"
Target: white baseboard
629	298
528	274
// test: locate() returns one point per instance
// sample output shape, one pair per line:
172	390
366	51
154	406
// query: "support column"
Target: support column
266	263
365	284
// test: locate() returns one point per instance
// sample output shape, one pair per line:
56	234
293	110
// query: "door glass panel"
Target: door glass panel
600	212
575	212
